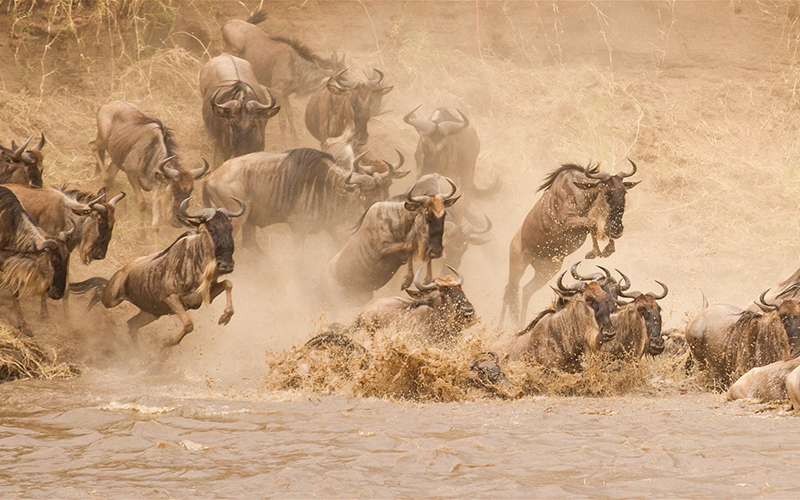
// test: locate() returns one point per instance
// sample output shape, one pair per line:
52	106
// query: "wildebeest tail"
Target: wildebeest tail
206	195
97	285
258	17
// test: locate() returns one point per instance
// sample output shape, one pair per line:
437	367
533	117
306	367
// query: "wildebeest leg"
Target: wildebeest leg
99	156
217	289
20	319
44	315
141	320
429	275
518	262
409	278
109	175
249	237
137	193
595	251
545	269
609	249
174	303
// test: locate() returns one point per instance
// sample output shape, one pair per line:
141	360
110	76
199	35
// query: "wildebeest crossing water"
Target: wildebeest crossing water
412	389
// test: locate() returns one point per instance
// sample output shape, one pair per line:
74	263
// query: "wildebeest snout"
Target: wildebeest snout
224	267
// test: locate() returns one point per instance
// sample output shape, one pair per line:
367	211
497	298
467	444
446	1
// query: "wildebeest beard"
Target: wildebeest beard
59	261
221	231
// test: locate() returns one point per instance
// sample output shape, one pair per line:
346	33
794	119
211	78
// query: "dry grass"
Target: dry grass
23	358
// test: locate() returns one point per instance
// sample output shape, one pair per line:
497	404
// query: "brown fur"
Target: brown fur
280	64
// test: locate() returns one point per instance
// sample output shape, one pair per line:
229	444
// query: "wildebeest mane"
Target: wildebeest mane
552	176
77	194
9	201
755	340
179	238
302	50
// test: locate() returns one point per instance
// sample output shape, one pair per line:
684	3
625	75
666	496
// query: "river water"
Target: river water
108	435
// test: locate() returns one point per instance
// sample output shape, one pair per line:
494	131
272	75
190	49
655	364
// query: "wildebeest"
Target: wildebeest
558	339
143	147
439	311
182	276
727	341
576	202
284	65
31	262
448	145
57	211
303	187
458	238
391	233
235	107
18	166
345	105
765	383
637	325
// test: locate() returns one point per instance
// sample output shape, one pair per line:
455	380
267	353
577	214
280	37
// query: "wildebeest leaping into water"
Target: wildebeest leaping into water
577	201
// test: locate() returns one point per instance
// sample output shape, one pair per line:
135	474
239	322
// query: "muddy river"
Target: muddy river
158	437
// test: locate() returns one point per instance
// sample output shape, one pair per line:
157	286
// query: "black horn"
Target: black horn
200	172
17	154
458	277
169	173
421	287
450	128
424	127
625	174
665	292
203	215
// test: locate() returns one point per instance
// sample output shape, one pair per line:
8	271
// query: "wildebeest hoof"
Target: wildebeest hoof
592	254
608	250
27	332
226	317
487	373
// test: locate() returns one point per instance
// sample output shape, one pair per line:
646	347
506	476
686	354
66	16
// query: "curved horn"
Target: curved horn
170	173
204	214
664	294
606	272
560	283
17	154
418	283
762	303
624	174
414	199
40	145
450	128
393	167
231	215
459	278
452	185
424	127
592	171
48	243
113	201
625	282
336	78
376	81
97	200
470	230
230	106
200	172
63	235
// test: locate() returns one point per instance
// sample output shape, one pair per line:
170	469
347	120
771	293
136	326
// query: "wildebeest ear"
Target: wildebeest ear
585	185
335	89
414	294
449	201
383	90
629	185
411	206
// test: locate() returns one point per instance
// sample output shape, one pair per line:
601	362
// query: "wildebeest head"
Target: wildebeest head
181	184
459	237
30	160
246	116
364	98
431	210
57	253
788	310
649	310
217	224
447	298
96	233
433	133
371	183
601	303
606	281
610	195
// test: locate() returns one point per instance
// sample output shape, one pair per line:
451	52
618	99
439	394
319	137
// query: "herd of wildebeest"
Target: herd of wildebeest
342	189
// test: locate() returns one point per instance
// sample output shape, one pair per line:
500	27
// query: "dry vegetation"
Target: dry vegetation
703	95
